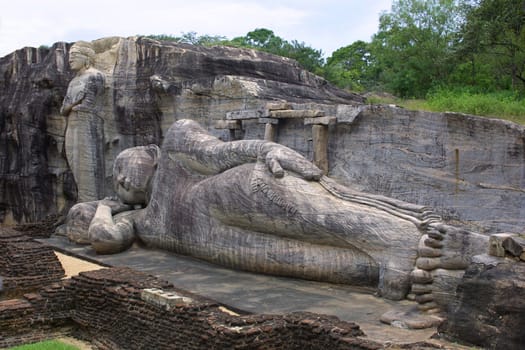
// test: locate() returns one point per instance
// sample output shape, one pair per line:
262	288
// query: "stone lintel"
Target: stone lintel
244	114
320	121
293	113
496	243
275	106
268	121
228	124
163	298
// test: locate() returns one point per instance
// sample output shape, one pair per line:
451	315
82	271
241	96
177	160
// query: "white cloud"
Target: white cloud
325	25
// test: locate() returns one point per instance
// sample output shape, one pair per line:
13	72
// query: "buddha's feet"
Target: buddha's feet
444	253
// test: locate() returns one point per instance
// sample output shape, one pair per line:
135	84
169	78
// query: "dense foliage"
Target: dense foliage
422	47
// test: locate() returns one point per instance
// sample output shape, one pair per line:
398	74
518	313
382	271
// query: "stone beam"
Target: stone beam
274	106
244	114
228	124
268	120
320	121
292	113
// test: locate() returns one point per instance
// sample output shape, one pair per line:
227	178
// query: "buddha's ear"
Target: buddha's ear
154	152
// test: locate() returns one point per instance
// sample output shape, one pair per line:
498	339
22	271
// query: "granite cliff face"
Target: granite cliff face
469	169
149	85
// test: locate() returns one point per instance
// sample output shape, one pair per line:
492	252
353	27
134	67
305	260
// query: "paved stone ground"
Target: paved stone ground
255	293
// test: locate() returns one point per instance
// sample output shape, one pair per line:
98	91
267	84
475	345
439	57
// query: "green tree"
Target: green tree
494	36
413	47
308	57
351	67
265	40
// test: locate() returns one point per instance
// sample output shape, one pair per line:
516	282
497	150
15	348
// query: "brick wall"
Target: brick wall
25	264
107	307
36	316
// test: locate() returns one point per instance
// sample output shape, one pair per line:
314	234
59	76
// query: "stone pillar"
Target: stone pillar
269	132
230	125
270	128
320	139
320	146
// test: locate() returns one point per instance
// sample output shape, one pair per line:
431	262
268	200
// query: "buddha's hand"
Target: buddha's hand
115	204
279	158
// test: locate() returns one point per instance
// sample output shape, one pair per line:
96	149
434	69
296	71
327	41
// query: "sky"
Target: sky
322	24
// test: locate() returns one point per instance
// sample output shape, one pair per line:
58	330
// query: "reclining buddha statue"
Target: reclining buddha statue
260	206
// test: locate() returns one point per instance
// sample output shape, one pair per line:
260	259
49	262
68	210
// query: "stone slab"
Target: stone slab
243	115
320	121
255	293
228	124
275	106
268	121
292	113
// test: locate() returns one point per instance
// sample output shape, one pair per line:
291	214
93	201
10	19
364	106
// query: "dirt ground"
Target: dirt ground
74	266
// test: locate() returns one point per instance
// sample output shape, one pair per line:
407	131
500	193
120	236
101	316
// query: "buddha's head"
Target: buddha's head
81	56
133	173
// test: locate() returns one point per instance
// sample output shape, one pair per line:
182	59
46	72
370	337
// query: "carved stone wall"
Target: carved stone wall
149	85
469	169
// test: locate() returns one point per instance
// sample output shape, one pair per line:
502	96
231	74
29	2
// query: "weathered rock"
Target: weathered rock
34	178
148	86
468	168
490	309
412	319
496	247
515	246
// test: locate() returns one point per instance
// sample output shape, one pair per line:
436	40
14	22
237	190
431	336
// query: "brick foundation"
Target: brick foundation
25	264
106	306
110	309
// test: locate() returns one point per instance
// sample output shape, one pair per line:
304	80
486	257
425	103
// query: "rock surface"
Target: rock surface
148	86
469	169
490	308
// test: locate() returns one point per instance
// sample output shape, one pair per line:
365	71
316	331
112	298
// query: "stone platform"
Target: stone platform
245	292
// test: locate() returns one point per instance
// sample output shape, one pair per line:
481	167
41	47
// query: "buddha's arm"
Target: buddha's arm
207	154
82	96
93	88
71	100
107	236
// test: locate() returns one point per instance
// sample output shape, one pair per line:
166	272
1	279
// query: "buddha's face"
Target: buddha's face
132	173
77	60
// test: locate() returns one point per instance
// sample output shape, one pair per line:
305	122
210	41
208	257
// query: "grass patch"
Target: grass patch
46	345
503	105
